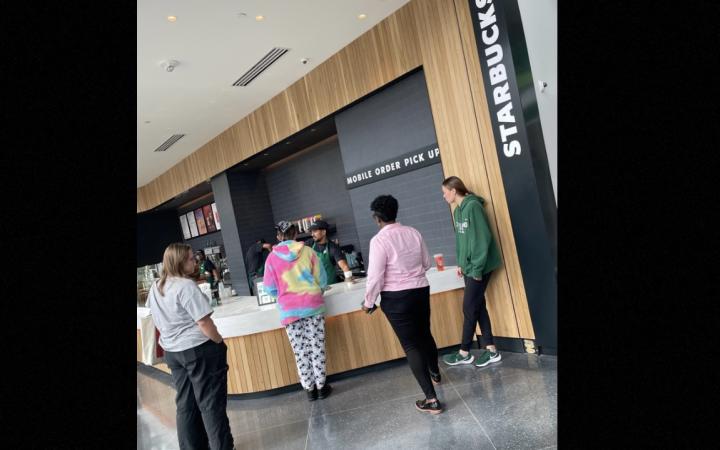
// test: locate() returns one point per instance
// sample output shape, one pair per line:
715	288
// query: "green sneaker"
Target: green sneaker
453	359
487	357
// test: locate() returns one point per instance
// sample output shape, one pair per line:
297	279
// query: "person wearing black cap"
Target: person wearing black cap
328	251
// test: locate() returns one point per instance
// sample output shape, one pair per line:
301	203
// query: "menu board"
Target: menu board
217	216
185	227
200	220
193	224
209	219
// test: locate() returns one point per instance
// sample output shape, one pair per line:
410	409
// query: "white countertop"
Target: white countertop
241	315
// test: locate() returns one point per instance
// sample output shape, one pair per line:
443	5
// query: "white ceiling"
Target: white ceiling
214	47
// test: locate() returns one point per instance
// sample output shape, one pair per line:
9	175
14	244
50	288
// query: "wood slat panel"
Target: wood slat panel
234	383
326	87
262	128
299	103
283	116
139	346
458	137
280	345
244	363
270	354
505	235
242	138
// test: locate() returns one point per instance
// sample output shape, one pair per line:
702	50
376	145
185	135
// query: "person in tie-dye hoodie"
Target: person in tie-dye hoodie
295	276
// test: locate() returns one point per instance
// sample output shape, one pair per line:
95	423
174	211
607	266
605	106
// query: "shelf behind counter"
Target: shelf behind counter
259	354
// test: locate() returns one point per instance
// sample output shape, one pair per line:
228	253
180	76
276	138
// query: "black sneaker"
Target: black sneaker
325	391
312	395
431	407
435	377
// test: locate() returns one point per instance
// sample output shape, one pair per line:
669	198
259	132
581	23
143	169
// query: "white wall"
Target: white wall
539	19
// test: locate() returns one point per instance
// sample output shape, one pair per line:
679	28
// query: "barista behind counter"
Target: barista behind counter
207	272
328	251
255	262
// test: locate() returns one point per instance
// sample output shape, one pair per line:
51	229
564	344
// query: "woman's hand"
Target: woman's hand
459	272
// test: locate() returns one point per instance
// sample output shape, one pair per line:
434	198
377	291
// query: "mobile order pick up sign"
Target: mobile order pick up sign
416	159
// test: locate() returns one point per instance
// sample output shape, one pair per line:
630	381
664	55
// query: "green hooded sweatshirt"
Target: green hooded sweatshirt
477	253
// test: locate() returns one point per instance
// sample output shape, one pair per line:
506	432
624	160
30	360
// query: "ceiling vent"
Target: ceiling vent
260	66
165	145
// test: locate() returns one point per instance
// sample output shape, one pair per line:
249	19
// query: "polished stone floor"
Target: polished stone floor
508	405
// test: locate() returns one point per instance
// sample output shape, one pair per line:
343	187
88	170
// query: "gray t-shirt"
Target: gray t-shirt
175	314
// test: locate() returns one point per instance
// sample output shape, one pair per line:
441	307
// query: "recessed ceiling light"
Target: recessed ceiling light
171	18
362	16
259	18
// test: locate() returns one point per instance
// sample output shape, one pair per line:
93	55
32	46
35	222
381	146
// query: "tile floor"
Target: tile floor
508	405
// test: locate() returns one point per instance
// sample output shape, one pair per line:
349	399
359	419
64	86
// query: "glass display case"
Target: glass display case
145	277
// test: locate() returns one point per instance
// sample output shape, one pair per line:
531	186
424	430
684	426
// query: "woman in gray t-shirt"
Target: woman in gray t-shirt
194	352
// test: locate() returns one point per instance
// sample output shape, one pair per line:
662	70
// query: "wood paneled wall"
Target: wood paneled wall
139	347
434	34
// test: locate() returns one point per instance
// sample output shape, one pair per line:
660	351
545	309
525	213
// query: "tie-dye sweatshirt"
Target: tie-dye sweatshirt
295	276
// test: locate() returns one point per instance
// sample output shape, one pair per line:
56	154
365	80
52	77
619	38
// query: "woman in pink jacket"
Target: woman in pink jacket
396	271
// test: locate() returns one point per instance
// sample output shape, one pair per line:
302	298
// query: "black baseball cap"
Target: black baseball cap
319	225
283	226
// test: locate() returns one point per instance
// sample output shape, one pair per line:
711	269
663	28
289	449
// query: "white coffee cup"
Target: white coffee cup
348	276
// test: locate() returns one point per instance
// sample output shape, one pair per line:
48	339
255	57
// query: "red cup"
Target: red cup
439	262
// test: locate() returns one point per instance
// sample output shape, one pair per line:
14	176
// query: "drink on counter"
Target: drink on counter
439	262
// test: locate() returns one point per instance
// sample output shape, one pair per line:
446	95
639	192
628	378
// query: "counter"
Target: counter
259	353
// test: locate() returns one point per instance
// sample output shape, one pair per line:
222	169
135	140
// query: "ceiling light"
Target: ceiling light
362	16
259	18
171	18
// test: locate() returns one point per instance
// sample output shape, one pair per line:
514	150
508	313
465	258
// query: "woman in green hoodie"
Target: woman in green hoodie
477	257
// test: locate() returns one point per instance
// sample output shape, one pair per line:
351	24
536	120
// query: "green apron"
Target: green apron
210	278
327	264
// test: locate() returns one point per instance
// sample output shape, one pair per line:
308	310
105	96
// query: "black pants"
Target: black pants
475	312
200	377
408	312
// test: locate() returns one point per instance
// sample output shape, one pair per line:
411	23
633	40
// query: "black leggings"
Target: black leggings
474	312
408	312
